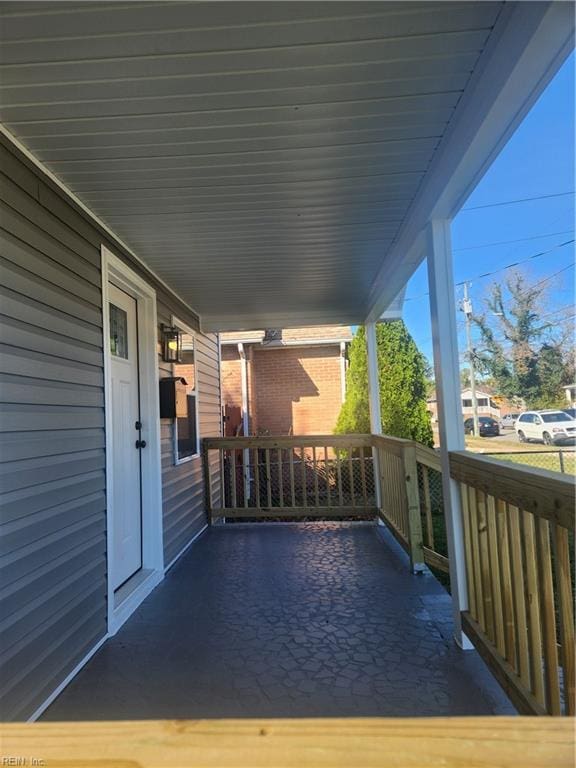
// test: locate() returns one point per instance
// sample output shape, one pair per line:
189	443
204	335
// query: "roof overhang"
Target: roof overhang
275	164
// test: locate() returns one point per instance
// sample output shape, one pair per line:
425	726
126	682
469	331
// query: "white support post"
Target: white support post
374	401
245	420
447	371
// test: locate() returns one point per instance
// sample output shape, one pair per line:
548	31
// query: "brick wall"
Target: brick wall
298	390
231	377
292	390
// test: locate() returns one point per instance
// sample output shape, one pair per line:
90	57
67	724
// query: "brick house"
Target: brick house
283	382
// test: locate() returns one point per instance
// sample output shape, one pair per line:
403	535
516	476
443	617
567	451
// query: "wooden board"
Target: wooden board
254	512
507	742
309	441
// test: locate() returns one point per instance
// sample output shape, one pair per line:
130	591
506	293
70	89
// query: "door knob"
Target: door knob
140	443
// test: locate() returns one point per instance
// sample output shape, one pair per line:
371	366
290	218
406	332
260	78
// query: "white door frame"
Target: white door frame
129	597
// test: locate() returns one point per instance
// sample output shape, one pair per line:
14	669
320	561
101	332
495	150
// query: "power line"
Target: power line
502	269
517	200
511	242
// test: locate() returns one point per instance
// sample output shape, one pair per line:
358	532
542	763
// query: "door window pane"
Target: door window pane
118	332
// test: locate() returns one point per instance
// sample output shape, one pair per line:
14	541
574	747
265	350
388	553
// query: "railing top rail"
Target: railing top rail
428	456
294	441
540	491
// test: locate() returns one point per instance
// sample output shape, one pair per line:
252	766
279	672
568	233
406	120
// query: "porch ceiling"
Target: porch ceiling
261	158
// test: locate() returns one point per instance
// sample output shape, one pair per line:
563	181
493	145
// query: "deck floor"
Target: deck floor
273	620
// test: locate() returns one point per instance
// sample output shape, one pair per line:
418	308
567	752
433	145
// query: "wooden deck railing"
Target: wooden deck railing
518	523
279	477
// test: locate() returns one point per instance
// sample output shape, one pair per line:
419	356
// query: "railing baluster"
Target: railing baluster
268	478
519	595
257	477
506	581
561	547
534	626
363	477
233	477
351	475
469	552
485	568
546	590
476	557
494	548
428	507
315	468
280	477
292	485
246	476
327	467
304	477
339	477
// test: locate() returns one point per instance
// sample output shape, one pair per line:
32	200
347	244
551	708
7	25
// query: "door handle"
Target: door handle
140	443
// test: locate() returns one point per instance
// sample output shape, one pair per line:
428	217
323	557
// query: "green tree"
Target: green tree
402	372
525	355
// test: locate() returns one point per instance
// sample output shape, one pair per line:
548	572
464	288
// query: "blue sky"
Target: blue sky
538	160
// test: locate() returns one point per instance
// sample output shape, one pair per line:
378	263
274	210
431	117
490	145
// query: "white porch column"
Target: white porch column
245	420
447	372
374	400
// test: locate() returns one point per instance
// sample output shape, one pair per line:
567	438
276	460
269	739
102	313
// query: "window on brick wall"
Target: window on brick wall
186	433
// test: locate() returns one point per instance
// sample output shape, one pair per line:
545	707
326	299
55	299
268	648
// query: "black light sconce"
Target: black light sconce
171	344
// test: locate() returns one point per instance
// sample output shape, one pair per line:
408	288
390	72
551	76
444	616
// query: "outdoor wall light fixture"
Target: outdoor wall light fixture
171	344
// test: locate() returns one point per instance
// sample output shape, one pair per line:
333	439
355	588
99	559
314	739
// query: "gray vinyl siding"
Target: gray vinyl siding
52	428
52	461
183	492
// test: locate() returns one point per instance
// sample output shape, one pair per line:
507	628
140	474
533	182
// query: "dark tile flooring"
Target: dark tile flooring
273	620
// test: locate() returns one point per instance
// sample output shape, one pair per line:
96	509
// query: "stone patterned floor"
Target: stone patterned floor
286	621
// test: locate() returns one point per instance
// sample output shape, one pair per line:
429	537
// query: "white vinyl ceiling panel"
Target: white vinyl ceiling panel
259	157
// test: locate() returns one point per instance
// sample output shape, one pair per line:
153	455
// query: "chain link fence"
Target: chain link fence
562	460
433	522
315	478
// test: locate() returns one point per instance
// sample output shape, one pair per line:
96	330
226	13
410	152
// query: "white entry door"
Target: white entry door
126	554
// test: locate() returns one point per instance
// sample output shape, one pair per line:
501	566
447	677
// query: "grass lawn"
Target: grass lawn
532	454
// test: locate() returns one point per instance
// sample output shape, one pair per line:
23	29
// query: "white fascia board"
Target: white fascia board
528	44
395	309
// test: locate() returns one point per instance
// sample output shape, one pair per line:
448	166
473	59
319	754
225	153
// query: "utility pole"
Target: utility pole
466	307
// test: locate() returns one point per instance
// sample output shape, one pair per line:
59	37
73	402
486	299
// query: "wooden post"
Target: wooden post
207	483
415	544
447	370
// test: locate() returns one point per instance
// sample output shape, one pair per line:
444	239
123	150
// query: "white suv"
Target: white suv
550	427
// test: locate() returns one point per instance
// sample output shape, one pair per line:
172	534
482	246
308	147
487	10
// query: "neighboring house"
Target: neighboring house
570	393
486	405
283	382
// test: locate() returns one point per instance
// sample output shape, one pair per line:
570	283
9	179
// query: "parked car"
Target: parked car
550	427
508	421
570	411
488	427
